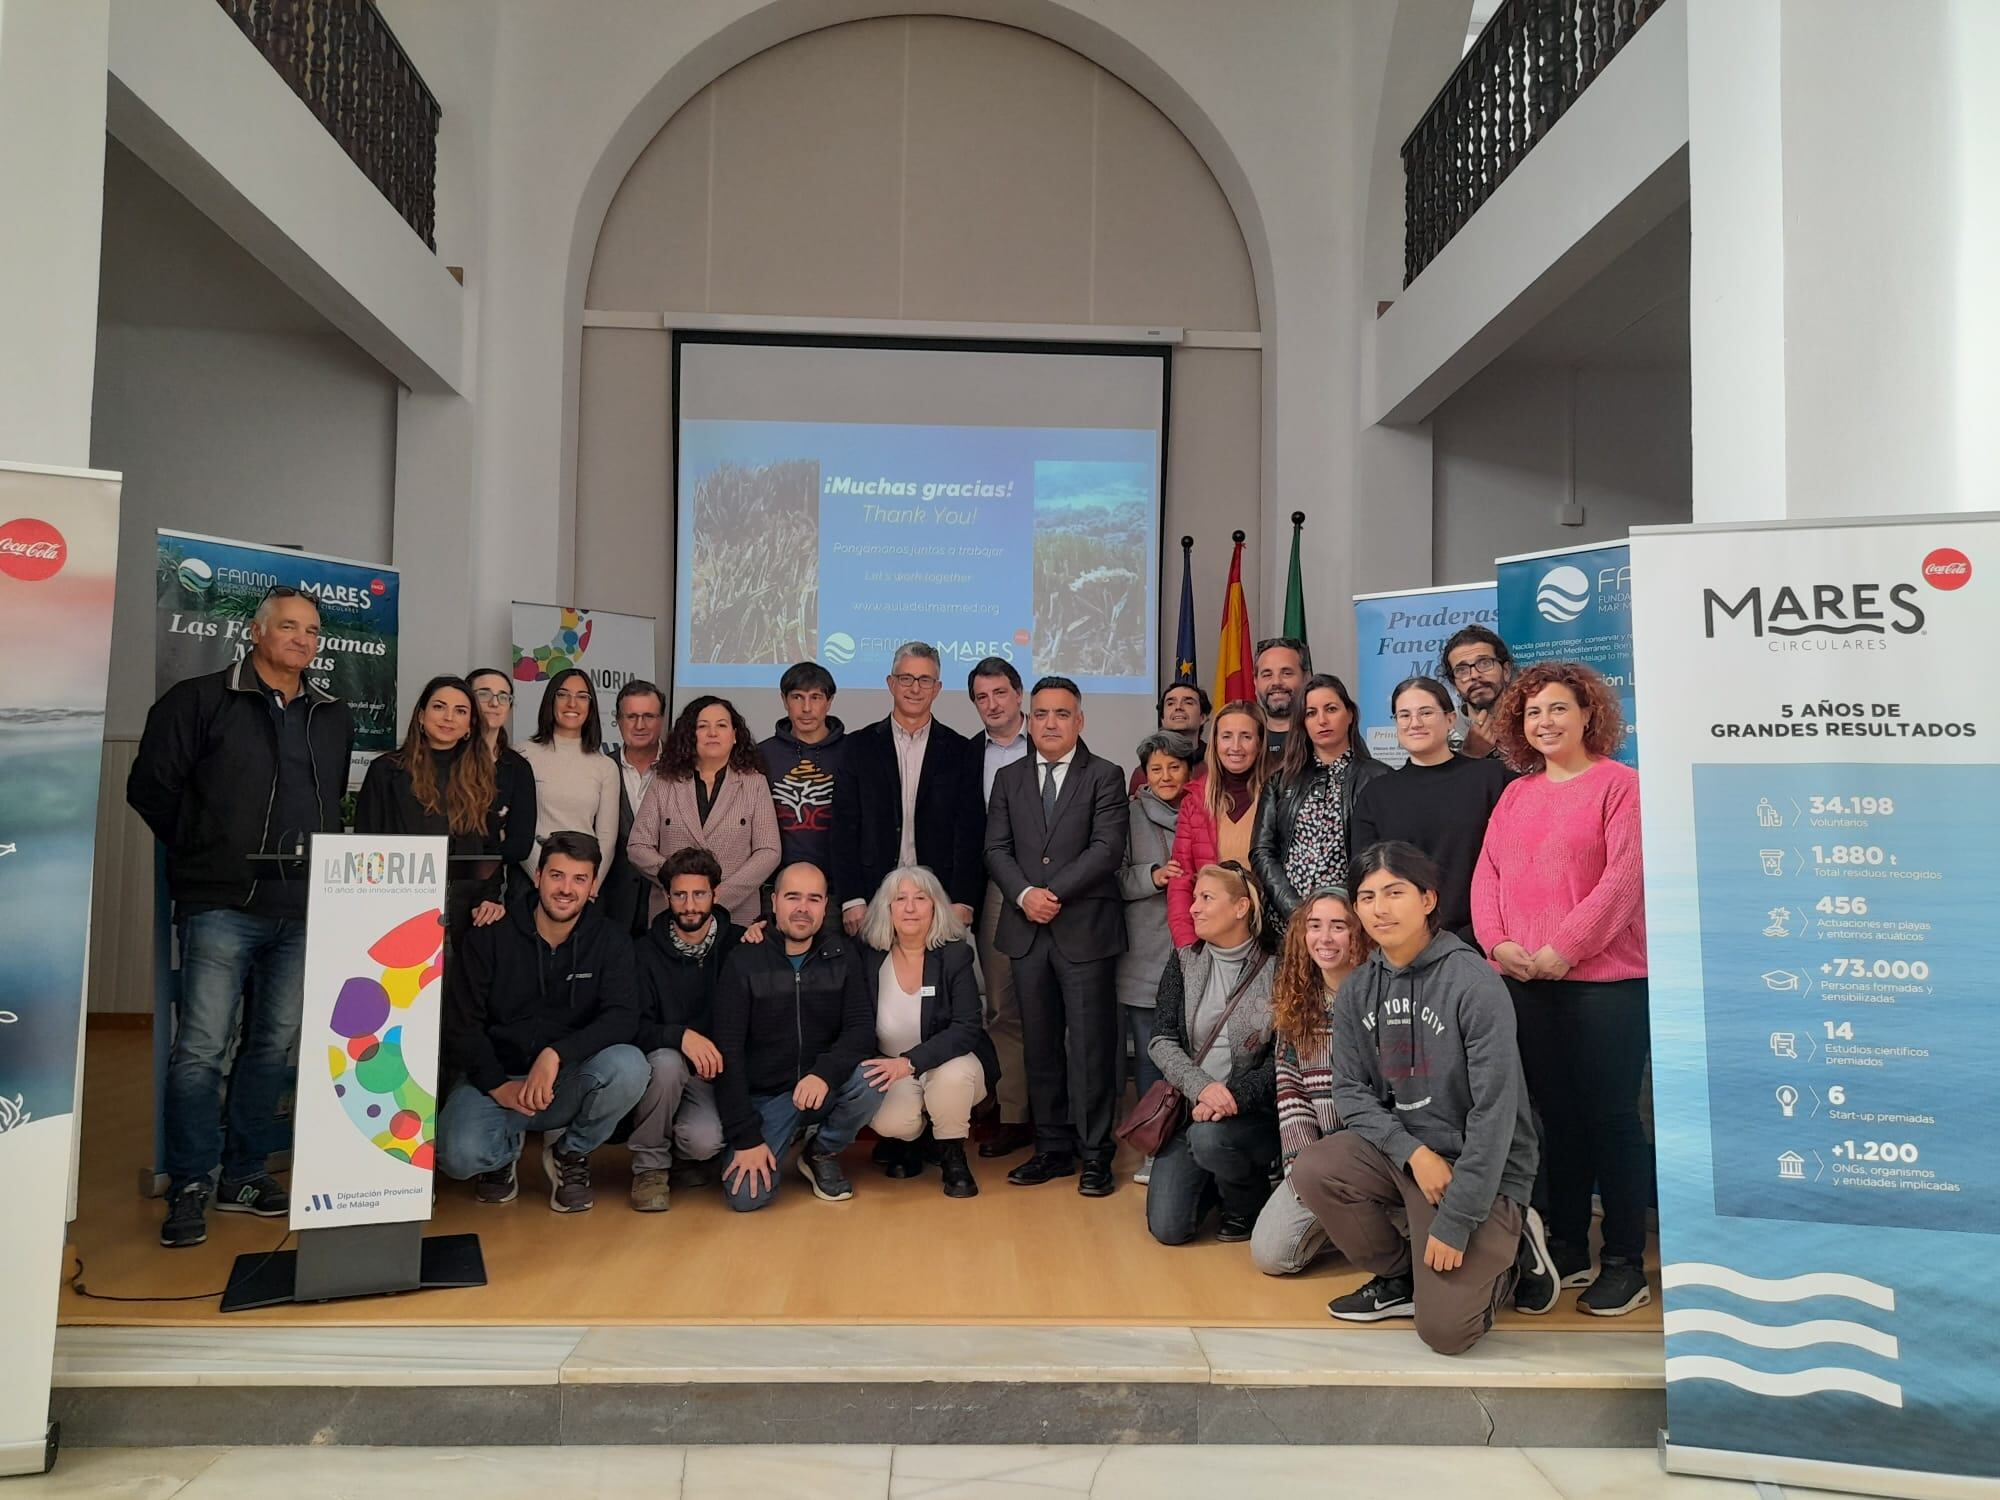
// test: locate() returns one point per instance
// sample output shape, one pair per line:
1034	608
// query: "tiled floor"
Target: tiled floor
839	1473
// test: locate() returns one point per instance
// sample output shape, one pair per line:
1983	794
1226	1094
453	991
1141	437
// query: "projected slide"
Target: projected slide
838	541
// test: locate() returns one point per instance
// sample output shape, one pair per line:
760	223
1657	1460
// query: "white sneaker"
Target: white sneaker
1145	1173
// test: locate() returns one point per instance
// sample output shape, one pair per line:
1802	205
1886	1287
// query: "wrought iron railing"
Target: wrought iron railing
1530	62
341	58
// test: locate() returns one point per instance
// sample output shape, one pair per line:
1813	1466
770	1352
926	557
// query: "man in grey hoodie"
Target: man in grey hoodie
1436	1126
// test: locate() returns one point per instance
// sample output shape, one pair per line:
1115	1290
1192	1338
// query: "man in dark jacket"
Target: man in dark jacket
802	762
543	1014
1055	838
794	1019
679	960
246	761
642	711
909	794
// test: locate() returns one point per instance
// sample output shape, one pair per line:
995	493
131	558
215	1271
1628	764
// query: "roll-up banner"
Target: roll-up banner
366	1124
58	568
208	590
1574	604
610	649
1822	773
1402	634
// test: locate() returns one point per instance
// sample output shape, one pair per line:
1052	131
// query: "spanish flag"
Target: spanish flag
1234	674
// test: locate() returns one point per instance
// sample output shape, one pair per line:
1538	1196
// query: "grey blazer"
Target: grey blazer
741	832
1075	855
1148	942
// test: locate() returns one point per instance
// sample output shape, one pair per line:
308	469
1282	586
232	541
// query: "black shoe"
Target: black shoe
497	1186
898	1159
829	1183
1571	1263
1619	1288
187	1217
1043	1166
260	1195
1006	1140
1096	1181
1536	1287
958	1179
693	1174
1384	1297
569	1181
1233	1230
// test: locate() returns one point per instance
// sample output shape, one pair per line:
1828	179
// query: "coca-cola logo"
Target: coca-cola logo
31	550
1947	568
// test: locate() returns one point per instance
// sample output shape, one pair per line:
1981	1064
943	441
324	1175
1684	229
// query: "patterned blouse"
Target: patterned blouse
1318	856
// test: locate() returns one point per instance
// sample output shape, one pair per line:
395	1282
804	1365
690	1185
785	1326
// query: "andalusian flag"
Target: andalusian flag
1235	675
1295	586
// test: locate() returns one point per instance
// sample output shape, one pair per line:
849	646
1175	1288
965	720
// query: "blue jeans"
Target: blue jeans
1135	1024
226	955
1211	1161
476	1134
849	1108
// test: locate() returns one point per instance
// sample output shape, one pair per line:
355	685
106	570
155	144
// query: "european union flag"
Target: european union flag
1184	666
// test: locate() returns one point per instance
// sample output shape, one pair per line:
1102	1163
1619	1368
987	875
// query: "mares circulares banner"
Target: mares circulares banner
208	590
367	1108
1574	604
1402	634
610	649
58	567
1820	791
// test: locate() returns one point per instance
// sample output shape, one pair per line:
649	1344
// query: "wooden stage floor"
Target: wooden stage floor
898	1252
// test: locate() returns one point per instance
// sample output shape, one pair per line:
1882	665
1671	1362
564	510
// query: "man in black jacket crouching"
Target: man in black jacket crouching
794	1018
543	1016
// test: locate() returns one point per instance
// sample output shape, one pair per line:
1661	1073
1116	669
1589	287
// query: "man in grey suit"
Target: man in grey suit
1055	836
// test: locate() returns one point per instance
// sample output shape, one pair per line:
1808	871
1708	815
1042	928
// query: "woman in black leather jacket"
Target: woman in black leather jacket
1301	843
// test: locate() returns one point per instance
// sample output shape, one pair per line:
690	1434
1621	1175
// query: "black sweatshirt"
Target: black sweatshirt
388	804
516	995
1442	809
775	1024
677	991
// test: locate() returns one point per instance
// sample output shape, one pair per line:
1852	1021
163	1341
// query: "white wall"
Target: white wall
230	406
1504	445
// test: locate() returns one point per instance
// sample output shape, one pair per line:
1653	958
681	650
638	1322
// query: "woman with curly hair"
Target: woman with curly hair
710	793
1324	943
1557	904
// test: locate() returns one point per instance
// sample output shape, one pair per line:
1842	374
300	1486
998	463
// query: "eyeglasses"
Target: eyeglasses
908	680
493	695
1477	666
283	591
1418	715
639	718
572	697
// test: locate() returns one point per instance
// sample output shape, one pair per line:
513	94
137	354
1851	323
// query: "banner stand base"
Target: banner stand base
1810	1473
367	1260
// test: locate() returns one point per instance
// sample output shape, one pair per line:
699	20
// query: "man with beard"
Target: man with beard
542	1022
794	1021
1283	665
1184	709
1479	666
679	960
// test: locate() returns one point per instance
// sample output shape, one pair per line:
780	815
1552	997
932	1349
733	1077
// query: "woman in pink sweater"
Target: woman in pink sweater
1558	905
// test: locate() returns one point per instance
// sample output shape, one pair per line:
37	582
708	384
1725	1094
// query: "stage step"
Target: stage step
872	1384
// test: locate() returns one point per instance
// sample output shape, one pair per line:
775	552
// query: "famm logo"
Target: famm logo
1817	609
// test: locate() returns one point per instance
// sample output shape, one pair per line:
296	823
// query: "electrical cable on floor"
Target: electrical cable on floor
76	1282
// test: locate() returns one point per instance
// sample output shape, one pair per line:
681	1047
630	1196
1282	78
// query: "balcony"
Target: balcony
1528	66
343	61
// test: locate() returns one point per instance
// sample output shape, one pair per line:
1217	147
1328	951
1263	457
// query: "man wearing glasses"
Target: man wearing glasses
246	761
1478	666
641	714
908	793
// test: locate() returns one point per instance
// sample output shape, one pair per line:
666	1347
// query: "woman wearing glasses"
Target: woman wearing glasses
513	777
1440	800
576	784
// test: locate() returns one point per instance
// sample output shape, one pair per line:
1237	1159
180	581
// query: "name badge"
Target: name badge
929	989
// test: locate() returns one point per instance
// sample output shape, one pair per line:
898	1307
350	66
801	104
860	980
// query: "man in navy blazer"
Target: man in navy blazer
1055	836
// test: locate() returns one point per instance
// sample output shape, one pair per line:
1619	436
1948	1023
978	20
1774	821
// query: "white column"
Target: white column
1843	327
52	72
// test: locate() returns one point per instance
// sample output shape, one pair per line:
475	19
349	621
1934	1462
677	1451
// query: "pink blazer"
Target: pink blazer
741	832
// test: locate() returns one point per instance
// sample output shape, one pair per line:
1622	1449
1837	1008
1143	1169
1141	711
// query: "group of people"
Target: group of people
1400	1014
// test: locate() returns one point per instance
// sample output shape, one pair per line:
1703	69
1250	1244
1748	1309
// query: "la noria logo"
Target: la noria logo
31	549
1837	608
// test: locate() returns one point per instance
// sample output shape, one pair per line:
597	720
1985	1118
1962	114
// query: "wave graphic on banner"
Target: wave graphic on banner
1812	1333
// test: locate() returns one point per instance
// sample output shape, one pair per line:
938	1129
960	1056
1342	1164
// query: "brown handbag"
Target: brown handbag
1162	1110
